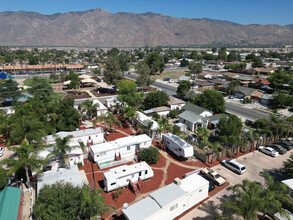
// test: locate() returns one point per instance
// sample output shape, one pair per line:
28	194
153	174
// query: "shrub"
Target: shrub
174	113
150	155
176	130
79	165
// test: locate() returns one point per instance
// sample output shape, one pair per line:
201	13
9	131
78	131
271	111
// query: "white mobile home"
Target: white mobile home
119	151
122	175
177	145
171	200
87	136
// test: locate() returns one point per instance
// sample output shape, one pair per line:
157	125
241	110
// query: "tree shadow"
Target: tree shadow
211	210
276	174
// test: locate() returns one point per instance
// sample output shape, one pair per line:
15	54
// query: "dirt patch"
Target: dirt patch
77	95
176	171
174	74
153	183
161	163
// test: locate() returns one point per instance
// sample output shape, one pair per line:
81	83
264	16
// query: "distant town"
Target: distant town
146	133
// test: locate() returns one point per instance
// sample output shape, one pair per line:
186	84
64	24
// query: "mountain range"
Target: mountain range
101	28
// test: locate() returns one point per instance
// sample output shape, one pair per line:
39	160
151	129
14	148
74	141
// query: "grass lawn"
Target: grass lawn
58	96
29	82
175	74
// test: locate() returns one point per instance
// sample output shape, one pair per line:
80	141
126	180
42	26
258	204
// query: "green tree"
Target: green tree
214	49
155	99
211	100
174	113
195	68
155	62
144	74
202	135
257	62
229	127
74	81
127	91
288	166
9	91
183	88
26	158
279	100
3	178
112	73
232	86
27	128
65	201
222	54
184	62
247	200
61	148
89	108
40	88
150	155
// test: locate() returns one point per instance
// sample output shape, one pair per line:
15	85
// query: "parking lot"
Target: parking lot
255	163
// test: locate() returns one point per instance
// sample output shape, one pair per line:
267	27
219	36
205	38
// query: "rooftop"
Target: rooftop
9	202
194	108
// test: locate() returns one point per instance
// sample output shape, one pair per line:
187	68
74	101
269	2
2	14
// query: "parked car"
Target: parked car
284	144
278	148
234	166
1	151
269	151
211	183
213	175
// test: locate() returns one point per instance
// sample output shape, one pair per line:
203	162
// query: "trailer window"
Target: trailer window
174	207
139	173
146	172
112	184
128	147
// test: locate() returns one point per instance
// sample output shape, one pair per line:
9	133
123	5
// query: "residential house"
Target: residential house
200	85
11	200
120	151
194	116
124	175
266	71
101	108
213	121
183	78
170	201
242	92
143	120
175	103
266	99
289	183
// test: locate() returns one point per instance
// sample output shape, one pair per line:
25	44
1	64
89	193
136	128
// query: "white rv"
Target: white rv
177	145
122	175
119	151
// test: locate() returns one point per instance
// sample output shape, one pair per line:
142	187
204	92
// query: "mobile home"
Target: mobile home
86	136
177	145
119	151
170	201
122	175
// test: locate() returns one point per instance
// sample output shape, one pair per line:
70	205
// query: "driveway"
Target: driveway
255	163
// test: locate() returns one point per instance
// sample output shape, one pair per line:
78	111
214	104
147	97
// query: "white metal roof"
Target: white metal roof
119	143
193	182
62	134
125	170
143	209
70	175
177	140
142	118
167	194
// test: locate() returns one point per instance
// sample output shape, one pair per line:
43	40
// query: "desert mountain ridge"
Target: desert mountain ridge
100	28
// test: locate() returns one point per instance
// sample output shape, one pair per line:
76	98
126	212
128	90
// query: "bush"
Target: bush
156	116
174	113
176	130
79	165
150	155
246	101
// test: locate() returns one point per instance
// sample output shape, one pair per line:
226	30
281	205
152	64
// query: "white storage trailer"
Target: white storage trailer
177	145
122	175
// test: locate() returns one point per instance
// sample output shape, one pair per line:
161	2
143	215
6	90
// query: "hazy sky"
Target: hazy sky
240	11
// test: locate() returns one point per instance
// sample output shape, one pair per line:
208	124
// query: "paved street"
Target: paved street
244	112
255	163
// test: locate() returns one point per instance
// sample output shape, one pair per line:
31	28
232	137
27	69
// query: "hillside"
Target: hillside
101	28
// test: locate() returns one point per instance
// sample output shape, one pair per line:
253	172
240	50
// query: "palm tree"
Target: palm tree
27	158
247	202
147	128
130	113
109	120
274	195
89	108
164	122
27	128
215	149
288	166
61	148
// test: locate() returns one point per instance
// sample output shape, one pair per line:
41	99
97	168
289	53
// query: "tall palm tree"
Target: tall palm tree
215	147
164	122
109	120
26	158
27	128
62	147
89	108
247	202
130	113
147	128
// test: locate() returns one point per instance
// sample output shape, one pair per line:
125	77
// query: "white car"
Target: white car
234	166
1	151
269	151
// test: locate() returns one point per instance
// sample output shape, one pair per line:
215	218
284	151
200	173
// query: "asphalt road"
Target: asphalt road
244	112
255	163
